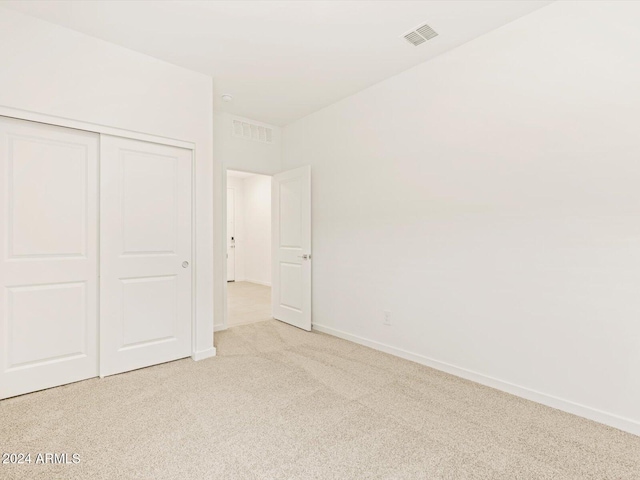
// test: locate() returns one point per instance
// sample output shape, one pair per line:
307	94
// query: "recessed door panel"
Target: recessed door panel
145	246
149	310
46	323
290	213
48	256
47	193
150	207
291	286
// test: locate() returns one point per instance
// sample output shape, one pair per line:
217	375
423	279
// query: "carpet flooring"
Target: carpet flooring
280	403
248	303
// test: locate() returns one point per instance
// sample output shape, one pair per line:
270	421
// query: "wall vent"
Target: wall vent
419	35
252	131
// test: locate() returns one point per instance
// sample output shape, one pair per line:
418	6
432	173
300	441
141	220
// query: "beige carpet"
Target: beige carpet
280	403
248	303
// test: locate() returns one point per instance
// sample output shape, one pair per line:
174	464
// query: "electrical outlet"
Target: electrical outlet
387	317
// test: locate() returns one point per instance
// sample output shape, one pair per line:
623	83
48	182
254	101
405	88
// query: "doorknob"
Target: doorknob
185	264
305	256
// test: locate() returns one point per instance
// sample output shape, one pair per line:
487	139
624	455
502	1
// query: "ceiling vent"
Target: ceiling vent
419	35
252	131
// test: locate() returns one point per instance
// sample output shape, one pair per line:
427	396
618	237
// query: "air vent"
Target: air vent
414	38
252	131
420	35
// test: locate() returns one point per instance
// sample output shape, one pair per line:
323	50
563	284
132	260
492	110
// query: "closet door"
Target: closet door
48	256
145	254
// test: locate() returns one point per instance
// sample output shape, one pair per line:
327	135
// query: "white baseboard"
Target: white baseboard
616	421
266	284
202	354
219	328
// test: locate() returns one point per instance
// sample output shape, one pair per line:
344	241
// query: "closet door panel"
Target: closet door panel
48	251
146	269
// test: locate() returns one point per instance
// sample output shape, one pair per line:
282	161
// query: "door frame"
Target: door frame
145	137
225	306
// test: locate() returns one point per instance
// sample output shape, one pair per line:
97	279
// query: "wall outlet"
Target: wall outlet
387	317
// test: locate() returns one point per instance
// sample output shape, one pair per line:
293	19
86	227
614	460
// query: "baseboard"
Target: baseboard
266	284
202	354
616	421
219	328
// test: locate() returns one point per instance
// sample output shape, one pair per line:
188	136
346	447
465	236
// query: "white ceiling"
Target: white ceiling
282	60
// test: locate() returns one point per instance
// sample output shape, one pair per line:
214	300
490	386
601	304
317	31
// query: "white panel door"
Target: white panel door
291	244
48	251
231	235
145	254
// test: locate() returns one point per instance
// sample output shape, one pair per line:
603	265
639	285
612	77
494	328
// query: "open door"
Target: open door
291	245
231	235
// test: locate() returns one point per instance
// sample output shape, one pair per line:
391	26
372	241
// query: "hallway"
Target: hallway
248	303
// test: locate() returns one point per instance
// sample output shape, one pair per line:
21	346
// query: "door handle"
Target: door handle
305	256
185	264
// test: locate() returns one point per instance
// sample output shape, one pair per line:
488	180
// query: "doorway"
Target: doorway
269	244
248	248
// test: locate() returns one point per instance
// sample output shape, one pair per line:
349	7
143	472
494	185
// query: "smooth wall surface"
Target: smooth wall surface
245	155
489	200
55	71
257	221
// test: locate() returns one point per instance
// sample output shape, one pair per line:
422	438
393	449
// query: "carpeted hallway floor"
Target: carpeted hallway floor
280	403
248	302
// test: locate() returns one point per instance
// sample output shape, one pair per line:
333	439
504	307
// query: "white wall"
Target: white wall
237	153
257	221
56	71
489	199
237	184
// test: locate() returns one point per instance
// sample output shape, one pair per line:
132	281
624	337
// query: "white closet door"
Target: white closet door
48	256
145	254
